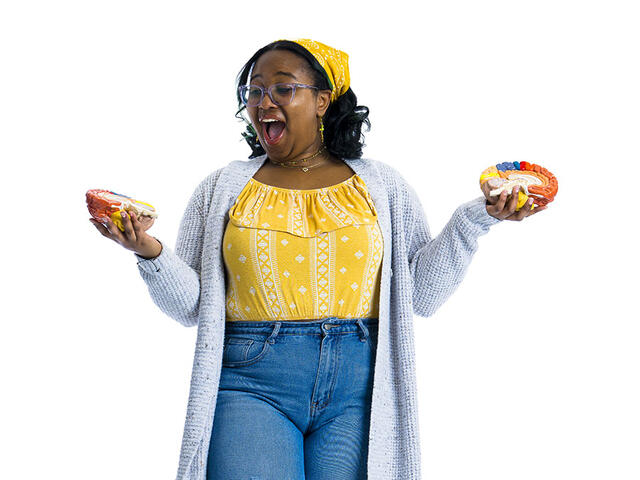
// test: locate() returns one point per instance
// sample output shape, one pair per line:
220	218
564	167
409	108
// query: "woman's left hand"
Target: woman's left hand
500	208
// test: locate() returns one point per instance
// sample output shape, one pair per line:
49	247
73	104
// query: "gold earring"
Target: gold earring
321	130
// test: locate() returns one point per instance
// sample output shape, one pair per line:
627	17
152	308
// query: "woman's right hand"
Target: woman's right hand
134	237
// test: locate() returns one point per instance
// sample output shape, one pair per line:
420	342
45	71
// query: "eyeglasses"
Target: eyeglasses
279	93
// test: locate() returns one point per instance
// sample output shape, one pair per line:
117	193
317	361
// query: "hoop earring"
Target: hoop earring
321	130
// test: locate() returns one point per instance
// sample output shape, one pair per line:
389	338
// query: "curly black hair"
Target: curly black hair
342	121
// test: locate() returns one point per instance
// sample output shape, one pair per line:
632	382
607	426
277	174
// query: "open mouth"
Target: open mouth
273	131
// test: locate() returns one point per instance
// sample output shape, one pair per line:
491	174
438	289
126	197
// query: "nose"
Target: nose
266	100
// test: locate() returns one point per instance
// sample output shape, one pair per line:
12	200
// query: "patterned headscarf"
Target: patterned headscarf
335	62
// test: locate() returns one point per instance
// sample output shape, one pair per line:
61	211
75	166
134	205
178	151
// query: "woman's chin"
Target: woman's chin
274	148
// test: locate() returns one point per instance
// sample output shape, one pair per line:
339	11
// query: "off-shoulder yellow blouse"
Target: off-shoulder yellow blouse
302	254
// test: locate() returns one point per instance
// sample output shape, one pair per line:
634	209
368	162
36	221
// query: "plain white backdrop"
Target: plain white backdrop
529	371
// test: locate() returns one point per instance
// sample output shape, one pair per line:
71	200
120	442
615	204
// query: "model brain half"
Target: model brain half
105	204
534	181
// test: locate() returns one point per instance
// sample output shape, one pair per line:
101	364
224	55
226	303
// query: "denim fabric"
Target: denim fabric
294	400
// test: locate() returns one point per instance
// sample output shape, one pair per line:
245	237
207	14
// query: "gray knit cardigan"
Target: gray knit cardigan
419	273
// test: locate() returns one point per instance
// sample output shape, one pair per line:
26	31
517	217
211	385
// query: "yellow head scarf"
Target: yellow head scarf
335	62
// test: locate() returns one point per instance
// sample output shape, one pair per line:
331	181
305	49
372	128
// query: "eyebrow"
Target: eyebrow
277	73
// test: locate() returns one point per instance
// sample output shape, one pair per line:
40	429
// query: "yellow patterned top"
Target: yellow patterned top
302	254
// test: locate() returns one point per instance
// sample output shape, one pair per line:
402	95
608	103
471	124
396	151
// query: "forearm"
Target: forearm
174	286
438	266
173	277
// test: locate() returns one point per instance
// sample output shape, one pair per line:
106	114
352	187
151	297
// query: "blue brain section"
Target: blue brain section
506	166
119	194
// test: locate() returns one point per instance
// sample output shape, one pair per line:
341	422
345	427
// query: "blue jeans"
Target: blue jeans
294	400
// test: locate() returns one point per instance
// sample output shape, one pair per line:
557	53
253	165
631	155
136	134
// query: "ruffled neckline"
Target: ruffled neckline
304	212
351	179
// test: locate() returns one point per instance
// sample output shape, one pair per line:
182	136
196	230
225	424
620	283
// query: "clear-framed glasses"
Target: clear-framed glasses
279	93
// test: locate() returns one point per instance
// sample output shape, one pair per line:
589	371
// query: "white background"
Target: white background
529	371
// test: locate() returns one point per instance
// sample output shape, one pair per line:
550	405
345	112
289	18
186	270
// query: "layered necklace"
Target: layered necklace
296	164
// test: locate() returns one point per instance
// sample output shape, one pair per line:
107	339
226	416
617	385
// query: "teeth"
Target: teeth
270	120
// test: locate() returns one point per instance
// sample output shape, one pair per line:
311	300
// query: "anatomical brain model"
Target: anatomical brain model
105	204
534	181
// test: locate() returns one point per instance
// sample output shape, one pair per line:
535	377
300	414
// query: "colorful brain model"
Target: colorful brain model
534	181
105	204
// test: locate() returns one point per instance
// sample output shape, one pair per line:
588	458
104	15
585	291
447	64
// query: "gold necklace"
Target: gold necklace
294	164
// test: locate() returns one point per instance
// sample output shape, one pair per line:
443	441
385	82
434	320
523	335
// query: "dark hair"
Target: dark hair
342	121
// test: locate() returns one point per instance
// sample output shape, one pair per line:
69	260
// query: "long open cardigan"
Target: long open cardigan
418	274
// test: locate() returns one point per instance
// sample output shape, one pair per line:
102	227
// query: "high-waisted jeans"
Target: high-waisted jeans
294	400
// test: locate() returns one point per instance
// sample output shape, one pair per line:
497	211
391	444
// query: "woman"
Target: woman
302	268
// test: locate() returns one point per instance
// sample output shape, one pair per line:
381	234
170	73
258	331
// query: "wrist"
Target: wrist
154	250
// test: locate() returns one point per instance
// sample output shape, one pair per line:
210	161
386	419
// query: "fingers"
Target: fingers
147	223
526	211
537	209
107	229
499	206
493	184
140	224
100	227
110	230
129	230
503	206
523	212
488	187
513	201
506	210
509	207
114	231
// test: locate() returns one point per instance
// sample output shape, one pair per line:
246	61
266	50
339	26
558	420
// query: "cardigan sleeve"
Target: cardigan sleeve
173	277
438	265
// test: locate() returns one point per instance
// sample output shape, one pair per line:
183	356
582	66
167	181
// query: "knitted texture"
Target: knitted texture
419	273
